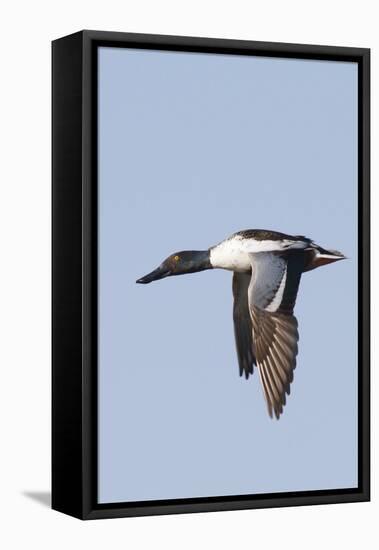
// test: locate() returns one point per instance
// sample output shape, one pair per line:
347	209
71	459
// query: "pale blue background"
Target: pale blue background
192	148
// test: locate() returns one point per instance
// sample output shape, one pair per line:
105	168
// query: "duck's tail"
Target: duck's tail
319	256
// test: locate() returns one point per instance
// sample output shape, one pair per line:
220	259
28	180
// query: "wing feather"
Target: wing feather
272	295
243	329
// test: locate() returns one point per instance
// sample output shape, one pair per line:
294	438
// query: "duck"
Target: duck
267	268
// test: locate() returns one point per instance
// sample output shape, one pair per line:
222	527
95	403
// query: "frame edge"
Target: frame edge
67	425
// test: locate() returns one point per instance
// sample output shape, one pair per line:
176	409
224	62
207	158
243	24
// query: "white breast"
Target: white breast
233	253
230	254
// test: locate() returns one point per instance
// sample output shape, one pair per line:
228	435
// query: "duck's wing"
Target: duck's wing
243	328
272	294
259	240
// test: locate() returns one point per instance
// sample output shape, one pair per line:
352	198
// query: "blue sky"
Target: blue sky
193	147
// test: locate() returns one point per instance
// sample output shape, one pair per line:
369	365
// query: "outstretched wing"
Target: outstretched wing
272	294
243	328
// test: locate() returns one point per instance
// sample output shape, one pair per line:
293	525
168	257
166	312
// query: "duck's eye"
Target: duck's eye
176	258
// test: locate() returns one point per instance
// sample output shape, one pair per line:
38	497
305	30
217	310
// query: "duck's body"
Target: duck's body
234	253
267	268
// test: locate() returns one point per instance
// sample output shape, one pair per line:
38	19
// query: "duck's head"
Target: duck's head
180	263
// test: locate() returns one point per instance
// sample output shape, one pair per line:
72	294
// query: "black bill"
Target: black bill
155	275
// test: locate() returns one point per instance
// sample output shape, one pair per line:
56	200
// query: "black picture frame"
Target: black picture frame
74	273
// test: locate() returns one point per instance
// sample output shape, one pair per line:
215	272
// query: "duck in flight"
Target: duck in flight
267	267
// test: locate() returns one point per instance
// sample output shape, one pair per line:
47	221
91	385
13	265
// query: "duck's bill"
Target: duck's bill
159	273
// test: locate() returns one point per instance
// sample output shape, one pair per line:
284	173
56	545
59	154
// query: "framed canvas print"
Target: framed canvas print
210	274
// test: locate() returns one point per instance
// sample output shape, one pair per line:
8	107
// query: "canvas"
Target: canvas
225	305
